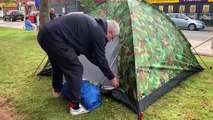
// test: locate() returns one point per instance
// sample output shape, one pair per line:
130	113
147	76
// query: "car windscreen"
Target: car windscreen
182	16
171	15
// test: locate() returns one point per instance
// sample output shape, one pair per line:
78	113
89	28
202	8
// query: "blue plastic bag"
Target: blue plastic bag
90	95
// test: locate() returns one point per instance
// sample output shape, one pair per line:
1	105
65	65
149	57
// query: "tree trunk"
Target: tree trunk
212	44
44	13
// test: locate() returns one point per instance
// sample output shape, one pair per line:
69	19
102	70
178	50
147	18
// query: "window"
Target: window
205	8
183	16
177	16
192	8
170	8
172	15
161	7
182	8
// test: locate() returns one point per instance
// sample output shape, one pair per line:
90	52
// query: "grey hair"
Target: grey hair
114	26
52	10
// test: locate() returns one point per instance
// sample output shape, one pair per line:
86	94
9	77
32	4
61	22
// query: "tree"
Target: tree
44	13
212	43
88	5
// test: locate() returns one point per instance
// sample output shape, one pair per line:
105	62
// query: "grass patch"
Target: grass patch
20	55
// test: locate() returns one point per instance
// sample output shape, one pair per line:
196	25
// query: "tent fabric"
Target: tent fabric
47	69
152	50
92	72
153	55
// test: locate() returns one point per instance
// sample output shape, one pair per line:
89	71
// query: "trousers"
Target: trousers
64	61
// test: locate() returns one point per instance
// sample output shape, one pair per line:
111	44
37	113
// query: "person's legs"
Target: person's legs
48	46
33	27
73	76
67	61
72	69
57	76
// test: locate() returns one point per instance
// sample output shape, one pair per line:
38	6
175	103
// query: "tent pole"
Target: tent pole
211	38
40	64
201	59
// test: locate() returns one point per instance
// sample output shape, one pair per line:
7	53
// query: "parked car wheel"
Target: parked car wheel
192	27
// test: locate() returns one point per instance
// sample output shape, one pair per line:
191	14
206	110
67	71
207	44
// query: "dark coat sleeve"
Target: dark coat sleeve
98	55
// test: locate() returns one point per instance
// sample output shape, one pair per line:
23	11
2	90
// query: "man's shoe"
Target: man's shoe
56	93
80	110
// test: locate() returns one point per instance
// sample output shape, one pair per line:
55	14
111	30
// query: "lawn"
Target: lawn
25	96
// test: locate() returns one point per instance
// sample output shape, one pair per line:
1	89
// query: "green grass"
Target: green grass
30	95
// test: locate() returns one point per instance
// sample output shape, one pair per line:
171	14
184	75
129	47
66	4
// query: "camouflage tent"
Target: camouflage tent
152	56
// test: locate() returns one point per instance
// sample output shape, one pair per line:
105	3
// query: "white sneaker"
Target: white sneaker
79	111
56	94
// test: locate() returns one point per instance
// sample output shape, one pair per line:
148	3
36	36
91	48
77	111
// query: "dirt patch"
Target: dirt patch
5	116
7	111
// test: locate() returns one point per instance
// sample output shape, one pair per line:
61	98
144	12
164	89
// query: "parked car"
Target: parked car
75	13
13	15
183	21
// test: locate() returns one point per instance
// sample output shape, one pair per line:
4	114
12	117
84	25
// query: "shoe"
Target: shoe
80	110
56	93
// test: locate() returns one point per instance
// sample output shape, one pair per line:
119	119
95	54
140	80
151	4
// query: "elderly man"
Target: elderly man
65	39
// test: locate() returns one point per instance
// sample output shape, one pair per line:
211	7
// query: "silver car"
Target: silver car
184	21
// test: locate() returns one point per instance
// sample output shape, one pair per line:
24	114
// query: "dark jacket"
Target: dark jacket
85	34
52	16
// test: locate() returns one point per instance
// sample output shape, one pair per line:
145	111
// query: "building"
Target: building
65	6
198	9
26	6
5	7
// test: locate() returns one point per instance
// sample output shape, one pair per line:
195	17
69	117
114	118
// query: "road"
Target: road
16	24
198	35
190	35
194	37
200	40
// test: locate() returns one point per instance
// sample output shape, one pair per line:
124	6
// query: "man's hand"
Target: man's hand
114	82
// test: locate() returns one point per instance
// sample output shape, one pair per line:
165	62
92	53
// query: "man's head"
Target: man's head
113	30
52	10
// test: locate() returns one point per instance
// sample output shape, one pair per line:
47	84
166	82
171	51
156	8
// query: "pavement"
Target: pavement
200	47
204	47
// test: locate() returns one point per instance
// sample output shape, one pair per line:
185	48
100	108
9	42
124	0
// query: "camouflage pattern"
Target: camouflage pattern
152	50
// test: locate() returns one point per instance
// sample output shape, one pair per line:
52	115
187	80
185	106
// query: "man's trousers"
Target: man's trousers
64	61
